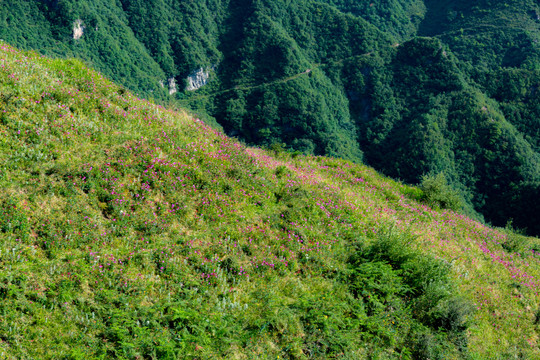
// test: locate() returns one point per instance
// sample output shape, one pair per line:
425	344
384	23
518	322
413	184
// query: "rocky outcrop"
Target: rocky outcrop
78	29
172	86
197	79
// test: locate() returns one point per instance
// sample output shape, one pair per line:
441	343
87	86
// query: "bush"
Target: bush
393	281
438	193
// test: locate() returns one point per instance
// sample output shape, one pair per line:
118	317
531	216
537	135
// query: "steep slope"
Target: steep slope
418	114
108	42
336	77
487	33
401	18
131	231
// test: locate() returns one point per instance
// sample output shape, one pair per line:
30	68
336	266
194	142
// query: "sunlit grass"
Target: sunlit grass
133	231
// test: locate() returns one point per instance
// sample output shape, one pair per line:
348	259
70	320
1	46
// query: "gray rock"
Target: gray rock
197	79
78	29
172	85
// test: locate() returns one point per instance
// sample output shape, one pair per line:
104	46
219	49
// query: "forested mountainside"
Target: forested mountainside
410	87
131	231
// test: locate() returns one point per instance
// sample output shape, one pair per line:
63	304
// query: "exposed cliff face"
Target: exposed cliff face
78	29
172	86
197	79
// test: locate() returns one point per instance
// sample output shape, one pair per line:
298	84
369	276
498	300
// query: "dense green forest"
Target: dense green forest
410	87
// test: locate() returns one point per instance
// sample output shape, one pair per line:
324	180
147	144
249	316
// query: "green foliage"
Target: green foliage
132	231
437	192
13	220
401	18
489	34
408	86
415	292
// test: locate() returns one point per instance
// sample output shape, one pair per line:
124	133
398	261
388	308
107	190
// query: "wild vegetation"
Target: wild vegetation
410	87
132	231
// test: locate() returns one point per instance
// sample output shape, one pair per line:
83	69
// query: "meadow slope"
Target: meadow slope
340	78
132	231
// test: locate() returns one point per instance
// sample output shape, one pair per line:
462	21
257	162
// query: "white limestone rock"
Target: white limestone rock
172	86
197	79
78	29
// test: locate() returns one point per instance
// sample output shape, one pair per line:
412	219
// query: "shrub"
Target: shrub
393	281
438	193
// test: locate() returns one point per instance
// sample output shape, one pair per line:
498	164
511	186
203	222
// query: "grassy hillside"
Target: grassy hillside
333	77
132	231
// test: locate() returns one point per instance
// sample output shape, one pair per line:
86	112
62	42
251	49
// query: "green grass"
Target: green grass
132	231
